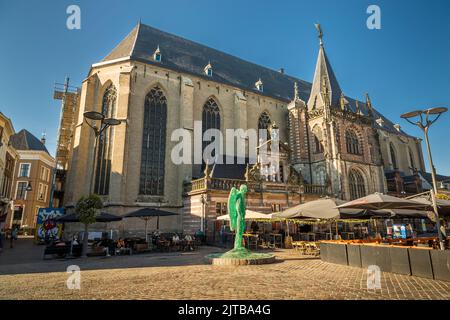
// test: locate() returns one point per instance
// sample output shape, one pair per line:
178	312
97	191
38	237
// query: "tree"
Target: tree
86	210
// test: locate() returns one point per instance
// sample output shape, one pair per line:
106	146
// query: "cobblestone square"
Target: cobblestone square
24	275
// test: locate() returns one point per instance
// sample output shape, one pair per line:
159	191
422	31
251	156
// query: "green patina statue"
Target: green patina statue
236	210
239	255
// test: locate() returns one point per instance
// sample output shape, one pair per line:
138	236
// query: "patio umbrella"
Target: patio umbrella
324	208
443	205
249	215
101	217
403	213
148	213
377	201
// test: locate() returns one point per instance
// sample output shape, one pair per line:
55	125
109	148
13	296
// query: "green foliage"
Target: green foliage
87	208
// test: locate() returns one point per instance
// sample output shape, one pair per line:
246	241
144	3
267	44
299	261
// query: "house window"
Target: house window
24	170
104	147
18	214
21	191
352	142
221	208
42	192
276	207
356	183
153	143
45	174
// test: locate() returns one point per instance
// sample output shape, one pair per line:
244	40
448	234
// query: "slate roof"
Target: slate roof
24	140
186	56
439	177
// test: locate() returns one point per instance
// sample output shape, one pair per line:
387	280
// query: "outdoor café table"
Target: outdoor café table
250	239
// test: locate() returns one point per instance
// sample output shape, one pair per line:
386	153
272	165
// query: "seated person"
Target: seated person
175	239
121	247
104	242
189	242
254	227
120	243
75	241
156	233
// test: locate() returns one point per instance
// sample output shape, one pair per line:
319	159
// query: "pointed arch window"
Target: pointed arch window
393	156
264	122
153	152
104	146
210	120
317	134
411	159
356	184
352	142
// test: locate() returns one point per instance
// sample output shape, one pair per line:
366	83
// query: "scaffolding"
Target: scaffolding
69	96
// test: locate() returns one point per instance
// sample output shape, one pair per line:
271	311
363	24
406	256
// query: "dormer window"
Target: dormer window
380	121
259	85
157	55
208	70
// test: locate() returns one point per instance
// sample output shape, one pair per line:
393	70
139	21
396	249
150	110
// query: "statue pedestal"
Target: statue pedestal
240	257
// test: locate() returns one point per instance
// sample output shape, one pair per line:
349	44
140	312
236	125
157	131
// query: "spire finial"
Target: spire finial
295	91
44	137
320	33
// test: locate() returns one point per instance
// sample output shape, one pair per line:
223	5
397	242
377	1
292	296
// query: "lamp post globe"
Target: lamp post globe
425	124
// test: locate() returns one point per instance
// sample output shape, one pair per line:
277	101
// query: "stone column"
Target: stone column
240	116
117	192
186	122
83	144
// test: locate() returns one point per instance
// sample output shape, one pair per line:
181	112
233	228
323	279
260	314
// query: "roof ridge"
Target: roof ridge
135	38
221	52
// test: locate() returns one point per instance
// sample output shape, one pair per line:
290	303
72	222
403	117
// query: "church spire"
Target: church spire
325	84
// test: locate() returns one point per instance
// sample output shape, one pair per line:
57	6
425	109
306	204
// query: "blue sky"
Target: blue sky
403	66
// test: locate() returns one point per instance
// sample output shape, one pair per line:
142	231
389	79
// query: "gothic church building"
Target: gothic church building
155	82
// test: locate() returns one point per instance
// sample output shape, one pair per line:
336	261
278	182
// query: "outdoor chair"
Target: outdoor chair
253	242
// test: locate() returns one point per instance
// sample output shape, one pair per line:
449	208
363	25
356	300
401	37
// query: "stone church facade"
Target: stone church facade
155	83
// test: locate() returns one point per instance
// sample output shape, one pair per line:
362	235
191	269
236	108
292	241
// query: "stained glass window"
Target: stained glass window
153	143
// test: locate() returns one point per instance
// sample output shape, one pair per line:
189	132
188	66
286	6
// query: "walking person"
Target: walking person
13	237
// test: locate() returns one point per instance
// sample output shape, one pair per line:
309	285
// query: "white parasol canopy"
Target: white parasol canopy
249	215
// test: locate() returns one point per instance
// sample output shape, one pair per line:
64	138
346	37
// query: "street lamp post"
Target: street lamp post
105	123
424	122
